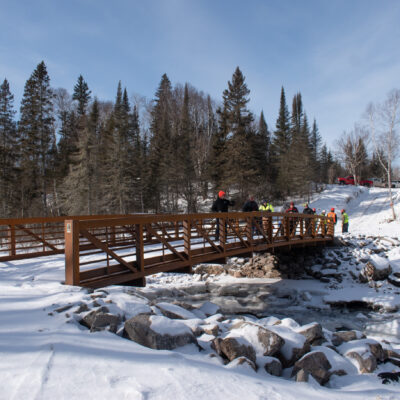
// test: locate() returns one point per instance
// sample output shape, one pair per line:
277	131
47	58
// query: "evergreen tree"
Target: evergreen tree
8	153
36	134
81	95
241	168
185	156
161	148
280	147
315	144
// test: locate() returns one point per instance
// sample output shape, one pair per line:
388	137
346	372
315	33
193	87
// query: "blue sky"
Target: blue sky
339	54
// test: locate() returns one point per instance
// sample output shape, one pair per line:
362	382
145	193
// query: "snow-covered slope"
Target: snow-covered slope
44	355
368	208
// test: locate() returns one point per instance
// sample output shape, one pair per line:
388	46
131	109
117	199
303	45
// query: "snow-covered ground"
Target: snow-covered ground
46	354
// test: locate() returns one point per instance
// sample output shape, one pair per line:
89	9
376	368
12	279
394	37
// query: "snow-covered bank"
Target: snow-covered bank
46	353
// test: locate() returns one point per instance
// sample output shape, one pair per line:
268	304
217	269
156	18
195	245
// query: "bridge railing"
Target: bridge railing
35	237
127	249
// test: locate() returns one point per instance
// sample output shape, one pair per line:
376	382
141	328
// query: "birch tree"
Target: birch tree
384	122
352	150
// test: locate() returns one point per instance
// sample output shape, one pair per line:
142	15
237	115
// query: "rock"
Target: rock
263	265
263	340
394	279
211	329
158	332
316	364
365	364
209	308
242	361
311	332
302	376
82	308
210	269
377	269
231	348
366	352
101	319
174	311
346	336
273	366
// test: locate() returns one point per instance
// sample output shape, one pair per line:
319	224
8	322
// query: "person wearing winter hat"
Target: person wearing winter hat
221	204
345	221
323	222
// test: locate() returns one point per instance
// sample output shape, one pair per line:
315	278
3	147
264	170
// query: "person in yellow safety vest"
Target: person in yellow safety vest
265	206
345	221
323	222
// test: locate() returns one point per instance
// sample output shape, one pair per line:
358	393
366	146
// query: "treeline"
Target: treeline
73	154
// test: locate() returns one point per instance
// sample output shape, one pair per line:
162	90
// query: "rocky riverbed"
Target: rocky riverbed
315	314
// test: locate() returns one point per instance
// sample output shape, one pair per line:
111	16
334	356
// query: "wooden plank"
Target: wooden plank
72	252
205	235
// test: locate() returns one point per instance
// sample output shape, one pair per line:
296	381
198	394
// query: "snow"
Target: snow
46	354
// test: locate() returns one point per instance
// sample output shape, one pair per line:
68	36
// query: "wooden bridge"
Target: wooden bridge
124	249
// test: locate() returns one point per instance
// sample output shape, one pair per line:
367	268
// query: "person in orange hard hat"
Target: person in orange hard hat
221	204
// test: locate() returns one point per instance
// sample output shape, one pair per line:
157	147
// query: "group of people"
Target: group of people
221	204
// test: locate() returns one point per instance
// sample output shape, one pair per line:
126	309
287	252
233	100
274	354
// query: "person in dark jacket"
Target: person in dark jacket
221	204
307	210
249	206
292	221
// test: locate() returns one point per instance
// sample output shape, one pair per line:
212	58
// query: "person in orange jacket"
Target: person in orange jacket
332	215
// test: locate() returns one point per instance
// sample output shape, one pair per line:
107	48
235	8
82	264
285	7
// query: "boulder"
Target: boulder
174	311
231	348
158	332
316	364
100	320
263	340
366	353
377	269
244	362
302	376
311	332
273	366
340	337
211	329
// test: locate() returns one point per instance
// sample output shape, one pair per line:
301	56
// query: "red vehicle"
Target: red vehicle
349	180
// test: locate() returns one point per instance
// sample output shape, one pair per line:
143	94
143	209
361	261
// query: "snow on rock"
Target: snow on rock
175	312
158	332
294	347
209	308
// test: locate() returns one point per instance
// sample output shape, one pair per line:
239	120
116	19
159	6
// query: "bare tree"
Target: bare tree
352	150
384	122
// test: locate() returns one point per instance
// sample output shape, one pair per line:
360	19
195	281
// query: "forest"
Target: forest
72	154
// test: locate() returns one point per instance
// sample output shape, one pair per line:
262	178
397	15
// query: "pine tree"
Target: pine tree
315	144
36	129
161	148
8	153
280	147
185	156
81	95
240	167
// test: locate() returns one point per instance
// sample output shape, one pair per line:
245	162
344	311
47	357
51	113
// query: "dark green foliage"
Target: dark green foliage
8	153
81	95
36	130
108	160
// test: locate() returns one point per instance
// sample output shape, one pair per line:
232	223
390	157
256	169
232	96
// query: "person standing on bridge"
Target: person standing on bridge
221	204
292	221
249	206
309	211
345	221
266	206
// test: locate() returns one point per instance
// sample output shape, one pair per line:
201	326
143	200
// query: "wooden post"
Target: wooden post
139	247
71	234
287	228
270	230
313	233
11	235
222	233
249	230
187	236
